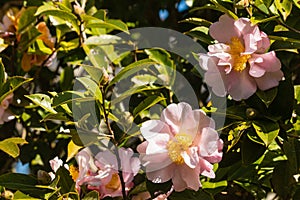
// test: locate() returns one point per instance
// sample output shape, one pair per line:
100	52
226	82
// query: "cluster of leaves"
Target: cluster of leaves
74	91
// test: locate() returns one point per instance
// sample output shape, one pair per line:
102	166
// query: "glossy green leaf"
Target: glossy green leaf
143	79
282	179
92	87
24	183
18	195
284	7
51	10
67	78
43	101
10	146
267	96
110	24
131	69
12	84
266	130
66	182
95	73
248	154
93	195
134	90
297	3
27	19
146	104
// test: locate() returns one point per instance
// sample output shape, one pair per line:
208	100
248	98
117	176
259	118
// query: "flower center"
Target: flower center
114	183
236	48
180	143
74	172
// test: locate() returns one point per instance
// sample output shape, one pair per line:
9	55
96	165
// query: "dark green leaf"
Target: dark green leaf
146	104
267	96
248	154
266	130
93	195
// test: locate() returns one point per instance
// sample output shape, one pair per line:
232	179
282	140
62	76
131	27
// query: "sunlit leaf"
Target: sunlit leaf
266	130
43	101
10	146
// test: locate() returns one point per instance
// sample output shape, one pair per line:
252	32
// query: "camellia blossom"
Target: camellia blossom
102	172
180	146
5	115
240	59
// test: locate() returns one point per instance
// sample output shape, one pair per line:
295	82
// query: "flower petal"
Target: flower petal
216	30
191	177
269	80
162	175
240	85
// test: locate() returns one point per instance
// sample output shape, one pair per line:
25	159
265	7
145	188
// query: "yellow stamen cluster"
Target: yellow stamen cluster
179	144
74	172
239	61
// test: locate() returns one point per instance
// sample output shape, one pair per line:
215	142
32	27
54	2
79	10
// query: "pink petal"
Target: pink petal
206	169
158	144
178	182
267	61
154	162
269	80
107	159
224	29
162	175
244	26
215	78
263	44
240	85
180	118
208	143
151	128
191	177
191	157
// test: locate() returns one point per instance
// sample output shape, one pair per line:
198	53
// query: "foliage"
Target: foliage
81	78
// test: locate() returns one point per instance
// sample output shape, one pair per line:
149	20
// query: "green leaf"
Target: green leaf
12	84
43	101
214	187
66	78
18	195
131	69
72	150
25	183
103	39
3	45
248	155
143	79
27	19
267	96
10	146
297	3
28	38
65	182
51	10
235	134
197	21
39	48
297	92
191	195
282	179
266	130
111	24
147	103
132	91
93	195
284	7
95	73
96	56
92	87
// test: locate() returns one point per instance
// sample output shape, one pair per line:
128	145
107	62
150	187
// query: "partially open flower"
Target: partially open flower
180	146
102	172
239	64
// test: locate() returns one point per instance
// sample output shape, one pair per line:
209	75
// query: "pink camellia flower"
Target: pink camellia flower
101	173
5	115
239	59
180	146
107	162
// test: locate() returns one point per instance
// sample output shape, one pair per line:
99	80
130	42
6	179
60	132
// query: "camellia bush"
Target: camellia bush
173	99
